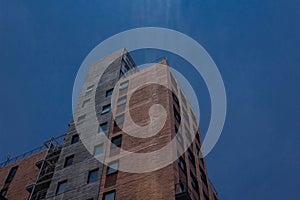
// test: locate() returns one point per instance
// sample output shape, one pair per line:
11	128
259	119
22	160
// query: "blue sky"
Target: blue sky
255	45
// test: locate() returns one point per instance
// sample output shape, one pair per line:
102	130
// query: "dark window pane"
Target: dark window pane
93	176
191	156
103	127
11	174
109	92
61	187
3	192
69	161
109	195
123	85
177	115
117	141
75	139
112	167
106	109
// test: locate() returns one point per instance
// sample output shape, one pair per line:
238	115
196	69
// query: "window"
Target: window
103	127
119	120
3	192
109	92
182	187
93	176
69	161
181	163
81	119
123	85
194	182
205	196
122	101
105	109
175	98
11	174
191	156
202	174
86	103
109	195
99	149
61	187
198	150
112	167
89	90
75	139
176	115
116	141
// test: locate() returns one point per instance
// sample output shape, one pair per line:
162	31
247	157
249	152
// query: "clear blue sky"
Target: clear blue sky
255	44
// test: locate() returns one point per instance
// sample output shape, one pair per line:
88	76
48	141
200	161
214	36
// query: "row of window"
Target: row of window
92	177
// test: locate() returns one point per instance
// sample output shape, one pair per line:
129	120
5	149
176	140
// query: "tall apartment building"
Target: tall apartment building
66	168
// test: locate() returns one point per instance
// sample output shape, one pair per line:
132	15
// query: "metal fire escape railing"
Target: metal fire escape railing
38	190
22	156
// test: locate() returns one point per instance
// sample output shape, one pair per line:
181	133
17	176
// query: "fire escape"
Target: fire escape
38	190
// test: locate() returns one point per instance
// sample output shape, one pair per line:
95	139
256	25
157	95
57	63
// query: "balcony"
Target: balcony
182	192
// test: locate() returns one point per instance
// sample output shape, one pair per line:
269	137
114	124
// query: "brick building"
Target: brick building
68	166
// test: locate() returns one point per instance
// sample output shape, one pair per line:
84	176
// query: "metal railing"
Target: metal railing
22	156
56	140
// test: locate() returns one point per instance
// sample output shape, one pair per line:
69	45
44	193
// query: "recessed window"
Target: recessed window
3	192
202	175
191	156
89	90
175	98
11	174
122	101
75	139
176	115
109	195
69	161
93	176
198	150
61	187
86	103
123	85
182	187
205	196
194	181
109	92
99	149
106	109
181	163
116	141
119	120
103	127
81	119
112	167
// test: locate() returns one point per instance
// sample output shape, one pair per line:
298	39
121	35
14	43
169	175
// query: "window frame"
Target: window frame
106	109
68	158
59	184
91	172
110	170
11	174
75	139
109	192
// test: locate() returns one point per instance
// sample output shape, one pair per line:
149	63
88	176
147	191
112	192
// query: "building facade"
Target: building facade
69	167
